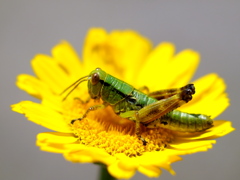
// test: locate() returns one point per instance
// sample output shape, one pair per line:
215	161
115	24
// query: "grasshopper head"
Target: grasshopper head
95	83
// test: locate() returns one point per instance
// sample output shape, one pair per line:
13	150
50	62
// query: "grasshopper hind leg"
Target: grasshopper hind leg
156	110
166	93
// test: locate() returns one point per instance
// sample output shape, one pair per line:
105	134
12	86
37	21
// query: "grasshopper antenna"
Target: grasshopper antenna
74	85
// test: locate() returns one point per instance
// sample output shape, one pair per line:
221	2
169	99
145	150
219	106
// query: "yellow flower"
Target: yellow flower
102	137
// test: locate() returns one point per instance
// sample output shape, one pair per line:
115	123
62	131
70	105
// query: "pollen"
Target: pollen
103	129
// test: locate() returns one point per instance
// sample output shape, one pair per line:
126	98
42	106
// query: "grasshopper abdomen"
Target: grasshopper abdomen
185	122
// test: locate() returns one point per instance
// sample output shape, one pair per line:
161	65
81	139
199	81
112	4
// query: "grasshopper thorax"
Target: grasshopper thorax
95	83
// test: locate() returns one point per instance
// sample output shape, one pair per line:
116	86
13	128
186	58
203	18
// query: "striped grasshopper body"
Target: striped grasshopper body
153	110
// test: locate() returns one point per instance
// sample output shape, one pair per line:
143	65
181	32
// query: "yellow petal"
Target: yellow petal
84	154
190	60
210	98
116	171
220	128
193	146
118	53
68	58
160	159
55	141
39	89
172	73
53	148
55	137
50	72
182	68
32	85
126	162
130	50
150	171
42	115
94	51
151	74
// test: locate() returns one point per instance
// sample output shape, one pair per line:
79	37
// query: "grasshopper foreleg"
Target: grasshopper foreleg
92	108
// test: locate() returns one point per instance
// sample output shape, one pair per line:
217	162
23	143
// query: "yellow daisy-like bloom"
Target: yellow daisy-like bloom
103	137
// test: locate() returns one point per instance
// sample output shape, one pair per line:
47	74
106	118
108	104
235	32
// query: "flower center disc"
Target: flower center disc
104	129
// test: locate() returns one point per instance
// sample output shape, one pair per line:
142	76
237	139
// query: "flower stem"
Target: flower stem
104	175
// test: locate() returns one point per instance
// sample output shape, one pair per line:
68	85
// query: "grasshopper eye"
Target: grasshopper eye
95	78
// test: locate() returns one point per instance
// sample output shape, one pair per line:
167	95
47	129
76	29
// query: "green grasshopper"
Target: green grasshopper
153	110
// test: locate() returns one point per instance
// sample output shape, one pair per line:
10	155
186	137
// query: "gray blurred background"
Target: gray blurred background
28	27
